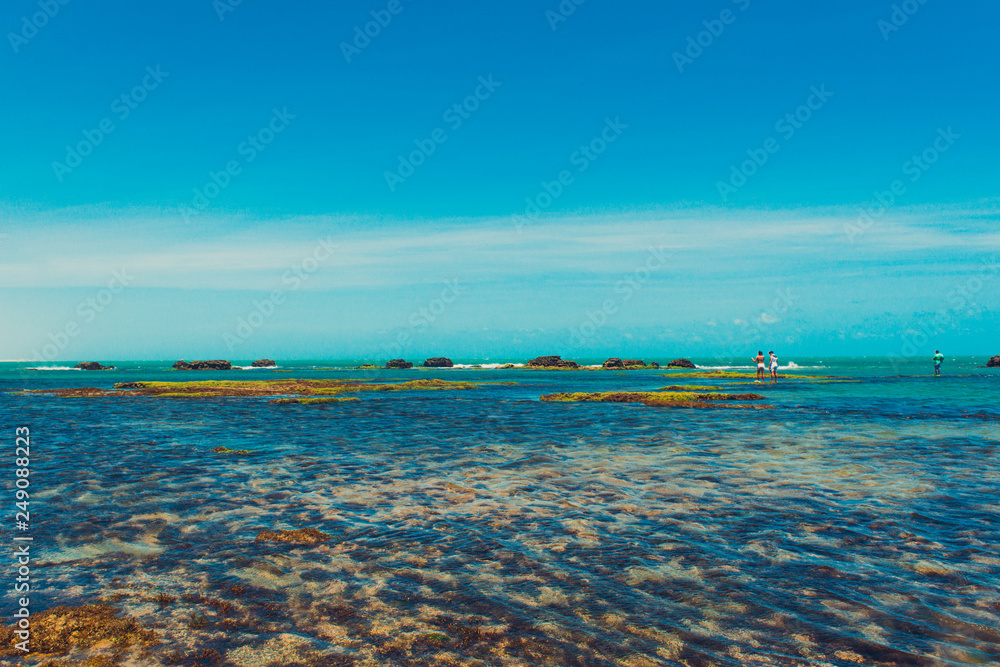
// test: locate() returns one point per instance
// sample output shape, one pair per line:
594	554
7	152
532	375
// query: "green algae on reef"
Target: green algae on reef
656	398
226	450
313	401
687	388
258	388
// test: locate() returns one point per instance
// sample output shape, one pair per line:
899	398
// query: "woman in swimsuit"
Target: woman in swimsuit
774	366
760	366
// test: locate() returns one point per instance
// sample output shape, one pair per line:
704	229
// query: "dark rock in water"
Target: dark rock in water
438	362
552	361
681	363
507	366
399	363
994	362
213	365
62	629
263	363
94	366
298	536
130	385
631	364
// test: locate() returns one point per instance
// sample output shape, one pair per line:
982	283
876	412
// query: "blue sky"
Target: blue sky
206	149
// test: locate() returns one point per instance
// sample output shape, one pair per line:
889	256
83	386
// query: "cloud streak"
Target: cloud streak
56	251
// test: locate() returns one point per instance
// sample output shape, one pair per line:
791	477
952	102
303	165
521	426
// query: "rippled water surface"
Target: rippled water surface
855	523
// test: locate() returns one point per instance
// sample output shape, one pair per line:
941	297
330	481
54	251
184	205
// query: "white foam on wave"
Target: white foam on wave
478	366
54	368
257	368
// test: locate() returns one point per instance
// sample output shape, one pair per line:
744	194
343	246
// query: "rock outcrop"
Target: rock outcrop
63	629
213	365
297	536
994	362
552	361
438	362
681	363
628	364
263	363
93	366
399	364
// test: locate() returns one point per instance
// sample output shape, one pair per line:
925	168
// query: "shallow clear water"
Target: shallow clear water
855	523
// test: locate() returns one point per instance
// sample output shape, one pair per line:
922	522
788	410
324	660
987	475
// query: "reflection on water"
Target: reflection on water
489	527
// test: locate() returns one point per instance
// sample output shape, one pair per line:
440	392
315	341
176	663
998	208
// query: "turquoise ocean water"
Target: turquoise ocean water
853	523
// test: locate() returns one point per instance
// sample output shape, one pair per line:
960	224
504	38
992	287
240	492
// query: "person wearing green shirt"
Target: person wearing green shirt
938	358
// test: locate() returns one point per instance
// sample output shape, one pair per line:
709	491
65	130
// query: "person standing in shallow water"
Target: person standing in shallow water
760	366
938	358
774	366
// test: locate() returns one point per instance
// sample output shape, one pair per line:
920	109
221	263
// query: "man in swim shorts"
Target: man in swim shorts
774	366
938	358
760	366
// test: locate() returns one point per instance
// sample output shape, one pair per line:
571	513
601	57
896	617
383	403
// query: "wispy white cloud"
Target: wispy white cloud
80	248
